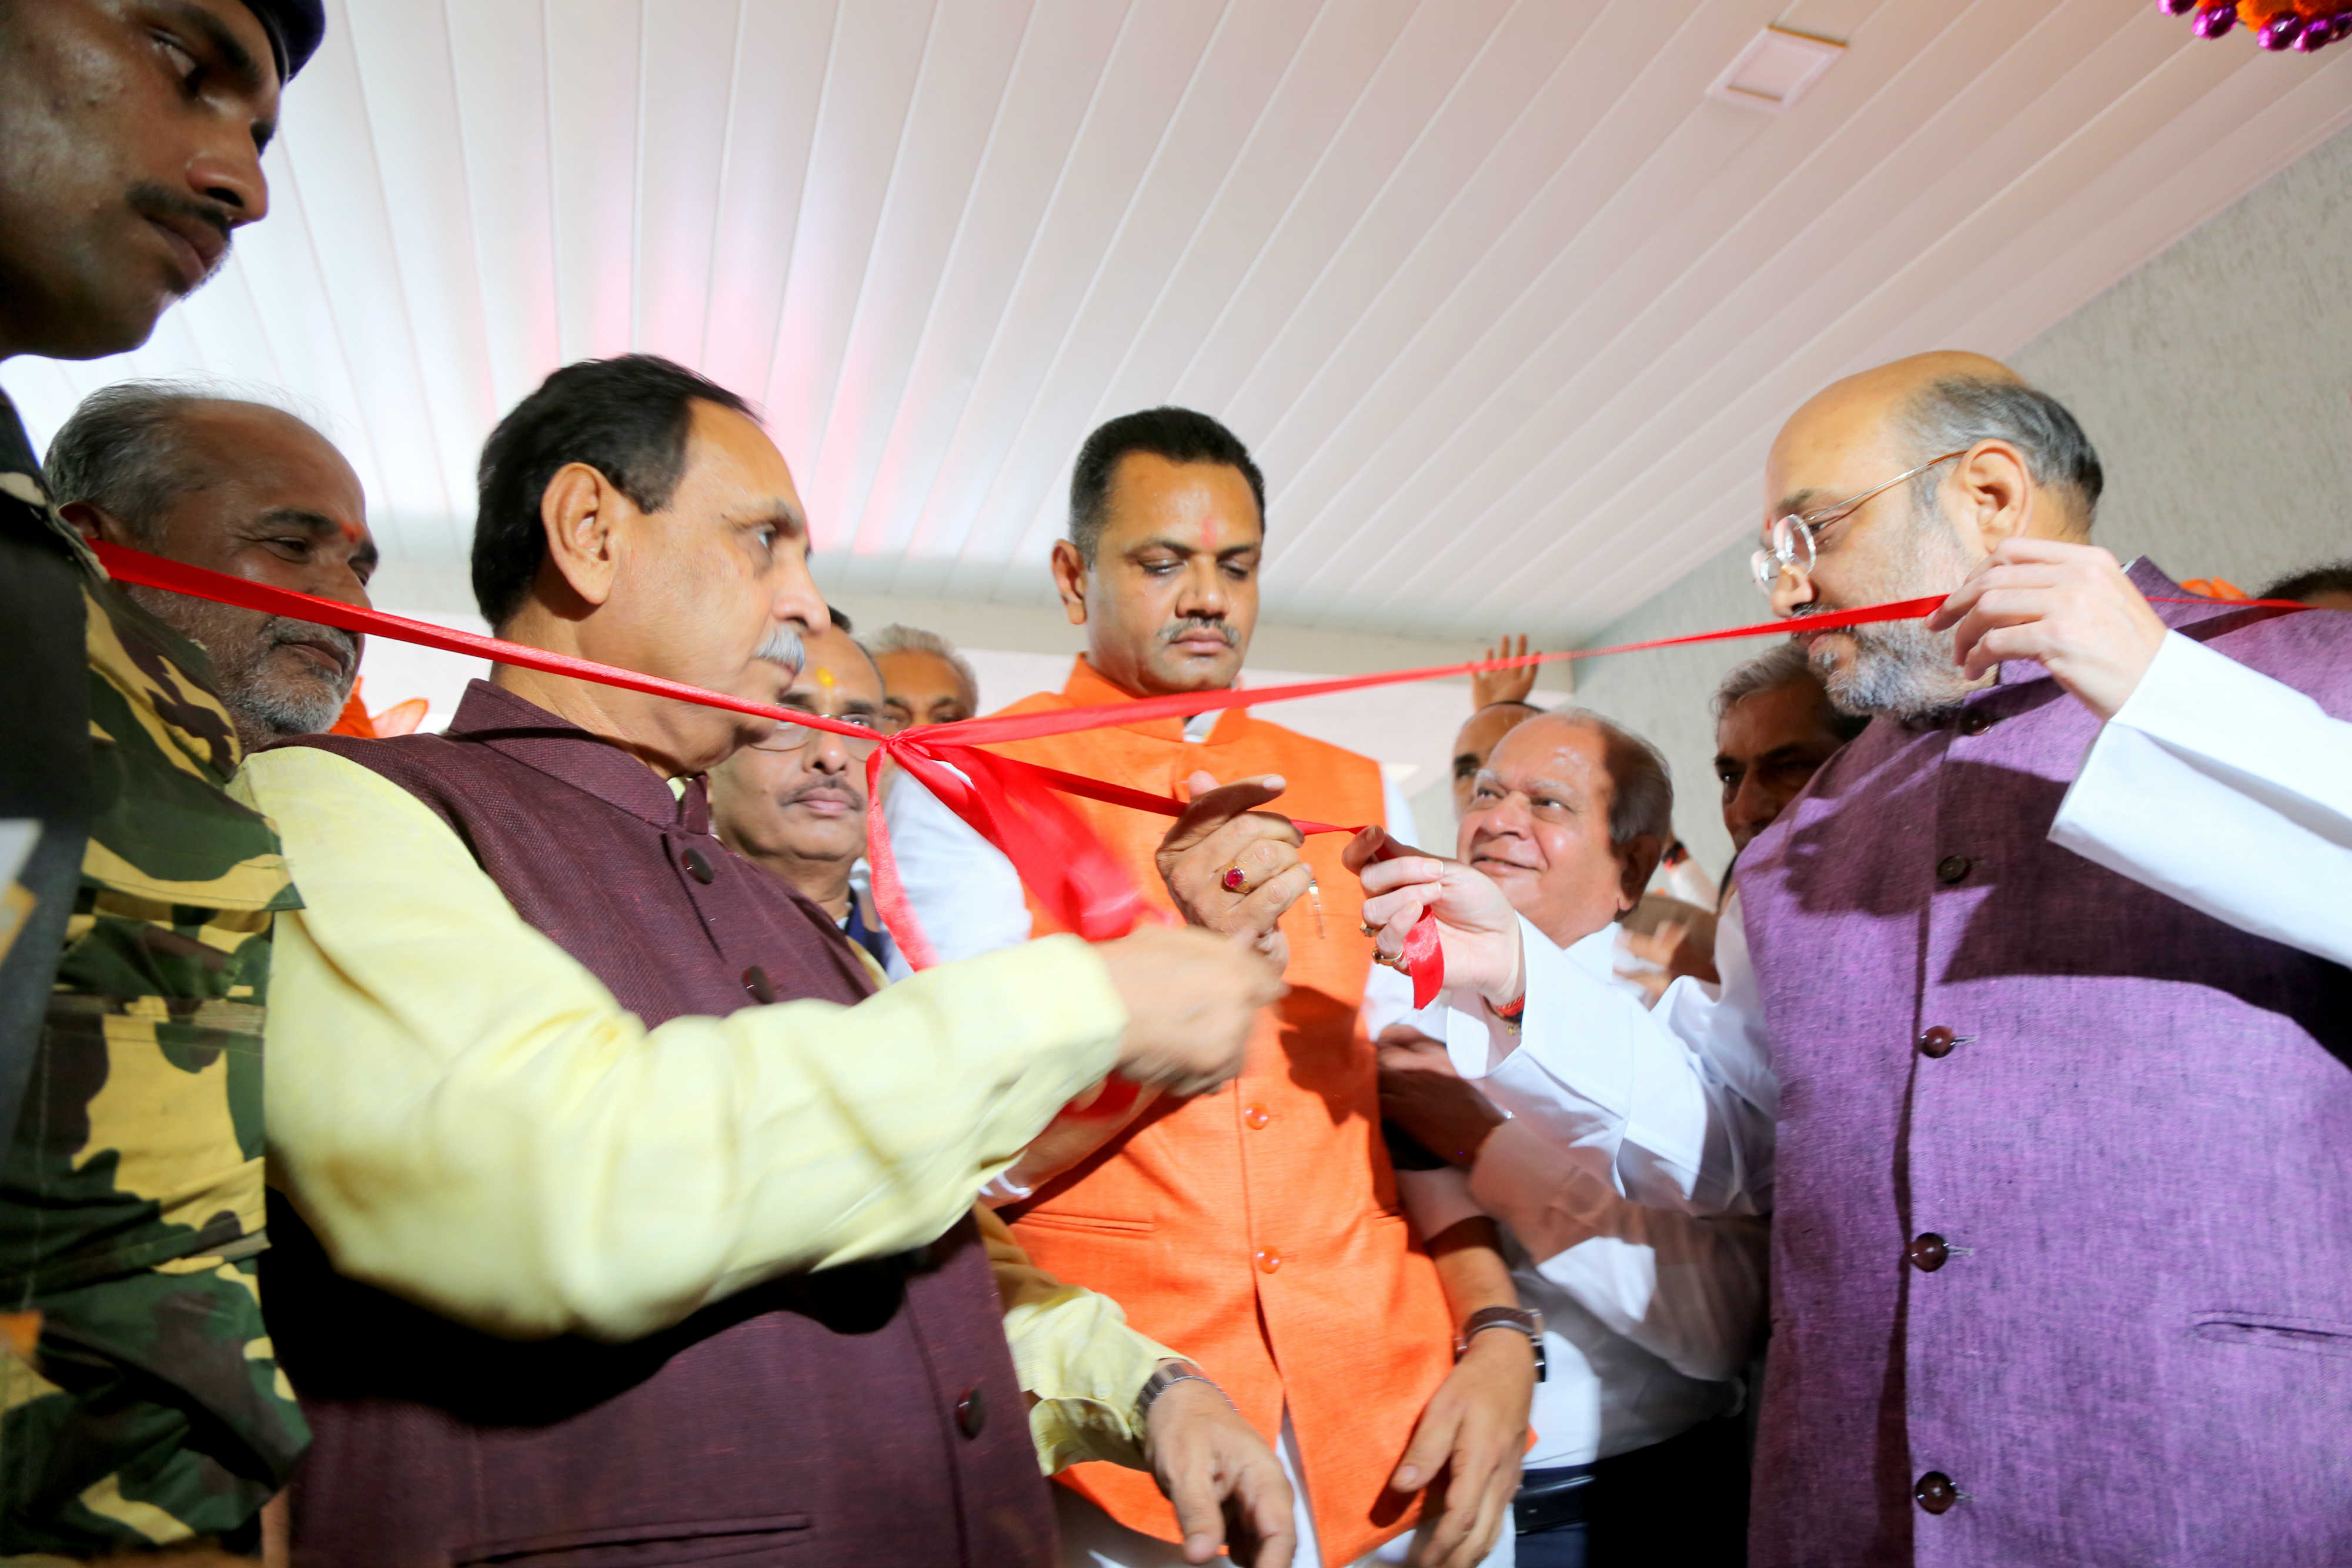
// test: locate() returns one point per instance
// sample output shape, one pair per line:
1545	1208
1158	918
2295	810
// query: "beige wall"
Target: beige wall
2215	382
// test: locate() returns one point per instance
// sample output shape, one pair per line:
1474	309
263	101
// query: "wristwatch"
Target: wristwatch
1519	1320
1167	1376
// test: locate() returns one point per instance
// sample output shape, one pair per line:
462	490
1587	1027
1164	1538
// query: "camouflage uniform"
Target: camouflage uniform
130	1196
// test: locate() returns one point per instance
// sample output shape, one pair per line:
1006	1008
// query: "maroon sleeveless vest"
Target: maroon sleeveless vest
857	1416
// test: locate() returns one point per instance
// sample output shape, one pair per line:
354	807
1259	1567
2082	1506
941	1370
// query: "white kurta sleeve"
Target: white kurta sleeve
2228	791
1664	1105
1689	1291
962	888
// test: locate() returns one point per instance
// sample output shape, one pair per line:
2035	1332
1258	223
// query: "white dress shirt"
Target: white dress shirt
1676	1107
1649	1314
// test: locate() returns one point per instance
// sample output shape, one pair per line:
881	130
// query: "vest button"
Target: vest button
755	981
1927	1253
971	1412
1268	1260
1256	1117
697	867
1937	1041
1975	721
1935	1491
1951	868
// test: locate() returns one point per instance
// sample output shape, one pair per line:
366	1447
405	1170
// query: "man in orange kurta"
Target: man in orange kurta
1259	1228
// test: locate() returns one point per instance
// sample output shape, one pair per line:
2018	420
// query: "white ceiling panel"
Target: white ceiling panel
1508	310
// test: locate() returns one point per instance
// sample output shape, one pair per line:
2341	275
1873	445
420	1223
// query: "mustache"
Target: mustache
783	645
153	201
282	629
830	789
1196	626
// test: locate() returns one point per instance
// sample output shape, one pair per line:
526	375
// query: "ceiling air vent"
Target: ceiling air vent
1774	70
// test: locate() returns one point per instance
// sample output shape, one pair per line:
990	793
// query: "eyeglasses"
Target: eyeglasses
1796	538
792	737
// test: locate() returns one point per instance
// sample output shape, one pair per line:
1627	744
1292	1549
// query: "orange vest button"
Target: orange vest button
1268	1260
1255	1117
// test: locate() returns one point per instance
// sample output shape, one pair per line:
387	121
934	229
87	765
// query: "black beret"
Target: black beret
295	28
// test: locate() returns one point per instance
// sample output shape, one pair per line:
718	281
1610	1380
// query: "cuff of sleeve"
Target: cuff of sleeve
1085	1375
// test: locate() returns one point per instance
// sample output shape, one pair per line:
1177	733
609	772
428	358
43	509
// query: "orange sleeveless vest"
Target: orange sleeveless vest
1256	1229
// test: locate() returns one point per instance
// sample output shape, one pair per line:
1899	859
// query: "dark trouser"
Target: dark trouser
1682	1502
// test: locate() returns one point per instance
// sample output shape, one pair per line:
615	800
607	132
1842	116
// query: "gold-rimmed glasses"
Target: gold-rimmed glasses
1796	538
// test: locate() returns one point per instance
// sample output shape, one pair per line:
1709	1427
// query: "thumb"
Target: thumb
1432	1442
1200	1518
1359	851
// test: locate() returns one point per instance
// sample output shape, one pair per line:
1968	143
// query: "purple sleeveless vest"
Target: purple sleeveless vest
2130	1340
859	1415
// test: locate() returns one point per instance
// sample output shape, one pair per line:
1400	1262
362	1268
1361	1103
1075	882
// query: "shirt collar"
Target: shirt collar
1088	687
1596	953
496	717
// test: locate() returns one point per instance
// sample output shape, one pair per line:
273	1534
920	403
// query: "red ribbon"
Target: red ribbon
1015	806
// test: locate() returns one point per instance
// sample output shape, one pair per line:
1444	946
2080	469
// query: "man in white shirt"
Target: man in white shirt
2034	1033
1648	1314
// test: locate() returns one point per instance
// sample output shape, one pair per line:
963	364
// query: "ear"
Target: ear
1070	576
1637	863
92	521
582	514
1996	491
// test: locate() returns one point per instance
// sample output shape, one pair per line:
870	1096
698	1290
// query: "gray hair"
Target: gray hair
121	449
1784	665
896	639
1956	413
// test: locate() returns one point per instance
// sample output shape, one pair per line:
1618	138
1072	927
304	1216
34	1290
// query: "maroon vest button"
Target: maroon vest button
1935	1491
1975	721
1927	1252
1951	868
1936	1042
697	867
971	1412
755	981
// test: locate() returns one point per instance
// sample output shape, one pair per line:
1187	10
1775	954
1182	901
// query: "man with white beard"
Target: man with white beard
2034	1034
182	472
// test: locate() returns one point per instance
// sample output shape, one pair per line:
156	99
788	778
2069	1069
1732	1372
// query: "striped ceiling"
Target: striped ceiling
1507	306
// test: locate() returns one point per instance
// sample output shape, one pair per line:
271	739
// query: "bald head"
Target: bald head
1882	422
1987	459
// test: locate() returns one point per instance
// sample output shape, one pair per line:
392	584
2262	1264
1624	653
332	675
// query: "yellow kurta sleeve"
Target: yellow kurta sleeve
469	1119
1076	1357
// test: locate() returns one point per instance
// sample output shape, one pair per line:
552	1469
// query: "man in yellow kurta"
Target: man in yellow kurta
1259	1230
620	1214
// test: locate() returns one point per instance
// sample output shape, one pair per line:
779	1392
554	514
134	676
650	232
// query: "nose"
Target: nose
1790	590
797	599
1508	816
1751	808
227	172
336	577
827	753
1204	594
